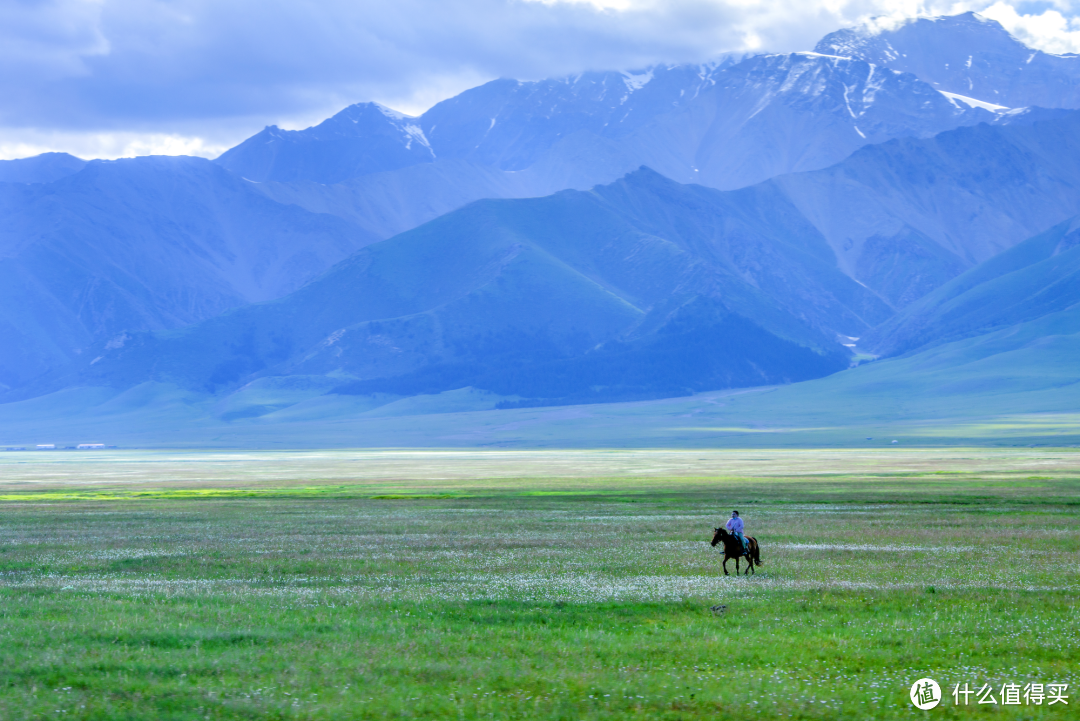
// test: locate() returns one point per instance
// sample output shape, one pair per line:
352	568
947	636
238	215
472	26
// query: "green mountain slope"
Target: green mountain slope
1038	277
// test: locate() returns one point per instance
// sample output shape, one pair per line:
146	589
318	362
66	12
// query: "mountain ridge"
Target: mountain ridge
1036	278
726	125
967	54
43	168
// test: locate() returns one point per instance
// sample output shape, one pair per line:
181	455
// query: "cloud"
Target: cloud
207	73
26	142
1049	30
50	39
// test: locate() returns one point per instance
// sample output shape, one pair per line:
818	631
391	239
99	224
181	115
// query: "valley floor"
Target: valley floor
1002	389
533	584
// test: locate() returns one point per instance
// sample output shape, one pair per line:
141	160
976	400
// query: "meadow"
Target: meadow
534	584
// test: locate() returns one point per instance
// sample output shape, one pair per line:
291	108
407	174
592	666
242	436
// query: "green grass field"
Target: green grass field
534	584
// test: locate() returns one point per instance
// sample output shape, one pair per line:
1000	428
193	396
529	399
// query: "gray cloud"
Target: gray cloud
220	69
137	62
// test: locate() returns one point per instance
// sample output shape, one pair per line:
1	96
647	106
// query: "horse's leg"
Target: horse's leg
736	565
725	565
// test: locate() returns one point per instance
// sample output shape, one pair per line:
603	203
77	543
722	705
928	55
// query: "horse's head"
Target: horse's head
718	535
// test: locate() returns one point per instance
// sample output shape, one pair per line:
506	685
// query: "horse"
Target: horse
734	549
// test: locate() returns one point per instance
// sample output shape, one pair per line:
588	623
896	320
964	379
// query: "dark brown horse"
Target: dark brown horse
734	549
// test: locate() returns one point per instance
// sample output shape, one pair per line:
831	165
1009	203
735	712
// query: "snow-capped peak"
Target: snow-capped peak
408	124
393	114
636	81
891	23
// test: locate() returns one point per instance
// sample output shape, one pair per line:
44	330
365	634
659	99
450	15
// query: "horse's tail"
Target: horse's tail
757	552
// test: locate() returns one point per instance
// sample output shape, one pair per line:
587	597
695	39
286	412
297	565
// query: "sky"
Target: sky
116	78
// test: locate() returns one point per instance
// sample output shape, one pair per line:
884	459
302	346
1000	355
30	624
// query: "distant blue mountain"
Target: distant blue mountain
905	216
900	219
149	243
725	126
643	288
968	55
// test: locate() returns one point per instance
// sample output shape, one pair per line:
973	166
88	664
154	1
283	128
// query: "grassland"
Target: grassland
551	585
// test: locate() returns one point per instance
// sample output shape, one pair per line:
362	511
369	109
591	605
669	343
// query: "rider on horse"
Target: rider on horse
735	525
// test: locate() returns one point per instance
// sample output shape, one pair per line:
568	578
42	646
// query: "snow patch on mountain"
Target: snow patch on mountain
638	80
411	130
810	54
960	100
392	114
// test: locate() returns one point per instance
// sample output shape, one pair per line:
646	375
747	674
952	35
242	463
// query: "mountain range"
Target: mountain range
966	55
610	236
542	298
725	125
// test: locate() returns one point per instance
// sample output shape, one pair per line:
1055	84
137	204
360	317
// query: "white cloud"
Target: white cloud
1049	31
108	77
22	143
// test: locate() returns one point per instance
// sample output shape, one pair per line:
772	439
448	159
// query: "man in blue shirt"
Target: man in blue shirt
735	525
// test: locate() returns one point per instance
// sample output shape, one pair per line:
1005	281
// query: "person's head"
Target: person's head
734	514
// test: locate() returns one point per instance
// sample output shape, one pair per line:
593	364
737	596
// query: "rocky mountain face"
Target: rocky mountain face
361	139
968	55
725	125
